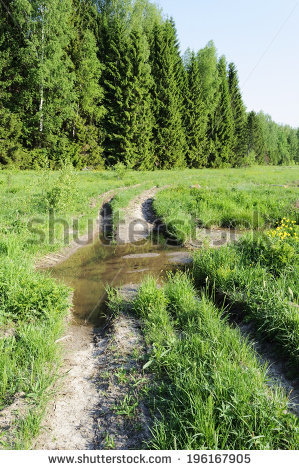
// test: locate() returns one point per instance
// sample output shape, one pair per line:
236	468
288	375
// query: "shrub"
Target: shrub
62	191
120	170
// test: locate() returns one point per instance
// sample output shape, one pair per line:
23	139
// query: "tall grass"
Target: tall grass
247	280
209	389
32	312
240	206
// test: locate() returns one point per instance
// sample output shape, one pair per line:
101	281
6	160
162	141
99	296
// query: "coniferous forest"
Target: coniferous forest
98	83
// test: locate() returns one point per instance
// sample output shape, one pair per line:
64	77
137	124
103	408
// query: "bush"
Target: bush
62	191
273	254
120	170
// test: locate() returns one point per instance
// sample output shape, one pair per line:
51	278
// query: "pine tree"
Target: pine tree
169	134
239	116
139	129
87	129
195	115
255	138
127	83
221	124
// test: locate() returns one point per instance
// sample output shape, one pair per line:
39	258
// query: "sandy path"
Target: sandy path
83	415
100	371
69	422
52	259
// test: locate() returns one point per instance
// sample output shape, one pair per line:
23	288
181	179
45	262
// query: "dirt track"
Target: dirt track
139	218
82	416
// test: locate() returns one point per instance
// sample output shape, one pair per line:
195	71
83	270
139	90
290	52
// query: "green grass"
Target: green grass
32	311
209	389
32	306
243	206
257	288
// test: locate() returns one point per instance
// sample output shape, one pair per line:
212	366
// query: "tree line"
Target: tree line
96	83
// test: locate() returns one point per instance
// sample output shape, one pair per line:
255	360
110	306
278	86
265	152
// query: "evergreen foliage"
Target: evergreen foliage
87	132
127	83
102	82
169	134
255	139
221	126
239	116
195	116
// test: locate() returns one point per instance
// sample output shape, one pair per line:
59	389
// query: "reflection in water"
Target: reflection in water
93	267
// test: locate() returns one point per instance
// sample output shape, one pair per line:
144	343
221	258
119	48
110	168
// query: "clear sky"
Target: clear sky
260	36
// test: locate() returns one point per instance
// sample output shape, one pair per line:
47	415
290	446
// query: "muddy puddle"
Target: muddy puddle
89	270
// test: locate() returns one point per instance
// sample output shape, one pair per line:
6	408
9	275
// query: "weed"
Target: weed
122	375
115	300
127	407
109	442
33	306
250	276
120	170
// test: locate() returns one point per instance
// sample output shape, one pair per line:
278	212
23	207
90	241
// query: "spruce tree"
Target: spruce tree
10	123
221	124
255	138
239	116
115	60
195	115
169	134
87	130
86	80
12	44
11	151
180	70
297	153
127	82
209	89
139	129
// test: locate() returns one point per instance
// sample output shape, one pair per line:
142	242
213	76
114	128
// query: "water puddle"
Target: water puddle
89	270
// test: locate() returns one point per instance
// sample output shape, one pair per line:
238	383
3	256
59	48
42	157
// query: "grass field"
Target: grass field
209	389
265	294
242	206
33	307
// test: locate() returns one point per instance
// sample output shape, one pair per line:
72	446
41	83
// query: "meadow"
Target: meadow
34	307
243	205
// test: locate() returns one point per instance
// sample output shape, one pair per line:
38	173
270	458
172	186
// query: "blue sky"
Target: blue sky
260	36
